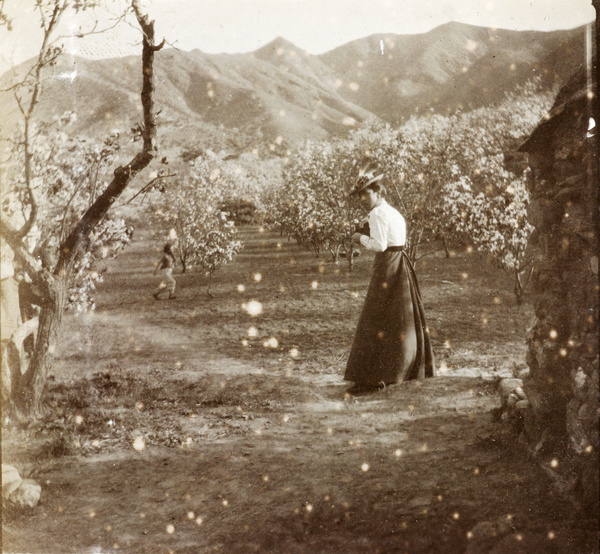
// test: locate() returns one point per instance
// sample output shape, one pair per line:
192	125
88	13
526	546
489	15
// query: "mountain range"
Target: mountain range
278	96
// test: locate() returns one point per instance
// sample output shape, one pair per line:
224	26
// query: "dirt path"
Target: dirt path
182	432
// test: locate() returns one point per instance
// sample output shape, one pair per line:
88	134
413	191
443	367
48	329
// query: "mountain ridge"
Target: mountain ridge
279	95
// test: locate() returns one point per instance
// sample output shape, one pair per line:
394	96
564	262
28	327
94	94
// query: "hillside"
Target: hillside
279	96
454	65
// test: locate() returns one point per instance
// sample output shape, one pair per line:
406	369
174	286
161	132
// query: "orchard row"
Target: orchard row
455	178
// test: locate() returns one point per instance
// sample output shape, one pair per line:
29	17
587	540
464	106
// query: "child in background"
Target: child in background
166	265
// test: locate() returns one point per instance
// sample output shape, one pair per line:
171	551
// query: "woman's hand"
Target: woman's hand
356	237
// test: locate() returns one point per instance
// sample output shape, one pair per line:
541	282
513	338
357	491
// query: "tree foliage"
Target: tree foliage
495	221
447	174
193	213
68	175
312	206
80	223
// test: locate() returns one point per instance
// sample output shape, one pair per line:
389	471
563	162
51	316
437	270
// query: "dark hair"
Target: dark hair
167	249
376	187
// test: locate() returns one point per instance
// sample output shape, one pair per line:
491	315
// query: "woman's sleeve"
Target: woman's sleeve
378	239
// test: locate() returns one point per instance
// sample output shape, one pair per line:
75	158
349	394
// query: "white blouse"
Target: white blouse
387	228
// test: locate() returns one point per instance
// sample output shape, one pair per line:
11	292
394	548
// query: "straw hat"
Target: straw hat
368	173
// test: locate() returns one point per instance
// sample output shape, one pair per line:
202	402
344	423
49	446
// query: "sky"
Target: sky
316	26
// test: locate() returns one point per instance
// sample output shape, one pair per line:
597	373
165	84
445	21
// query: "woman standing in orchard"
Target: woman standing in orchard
392	341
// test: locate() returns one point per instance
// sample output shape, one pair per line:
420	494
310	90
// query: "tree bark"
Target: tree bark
519	291
27	396
29	392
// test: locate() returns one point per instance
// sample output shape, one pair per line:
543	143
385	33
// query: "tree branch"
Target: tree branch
93	30
27	261
123	174
148	50
30	220
149	185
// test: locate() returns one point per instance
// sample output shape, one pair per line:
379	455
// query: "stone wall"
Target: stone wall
561	424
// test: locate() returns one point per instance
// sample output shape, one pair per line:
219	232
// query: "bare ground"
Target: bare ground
190	426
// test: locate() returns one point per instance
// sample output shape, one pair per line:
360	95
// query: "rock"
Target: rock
512	400
27	495
579	381
508	387
522	405
487	377
10	480
520	393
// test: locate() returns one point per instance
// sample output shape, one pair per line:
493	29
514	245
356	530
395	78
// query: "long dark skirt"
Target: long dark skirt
392	341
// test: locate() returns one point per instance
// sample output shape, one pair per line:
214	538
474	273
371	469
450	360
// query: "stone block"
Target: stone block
11	480
512	400
508	387
520	393
27	495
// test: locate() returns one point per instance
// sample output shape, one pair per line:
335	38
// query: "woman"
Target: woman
392	342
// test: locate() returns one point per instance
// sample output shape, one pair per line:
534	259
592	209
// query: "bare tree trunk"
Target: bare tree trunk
28	393
445	244
208	291
351	251
519	289
27	396
411	249
335	252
